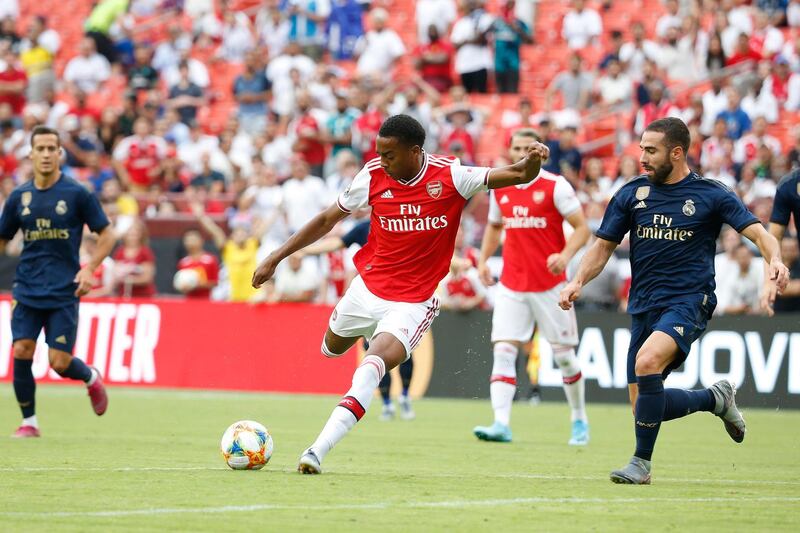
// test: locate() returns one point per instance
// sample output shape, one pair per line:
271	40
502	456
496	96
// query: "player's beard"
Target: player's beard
661	174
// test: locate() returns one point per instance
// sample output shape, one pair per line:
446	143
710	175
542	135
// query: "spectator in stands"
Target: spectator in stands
88	70
715	100
367	125
264	199
237	36
344	28
736	120
470	38
565	158
659	107
461	125
717	144
628	170
273	28
339	127
168	53
753	187
308	135
794	152
766	39
198	73
774	9
135	264
743	53
8	32
596	180
793	13
434	60
205	264
142	76
742	294
637	51
208	178
379	48
582	26
291	59
277	150
98	26
304	195
670	19
508	34
296	280
746	148
13	80
9	9
574	85
185	96
438	13
615	36
96	172
307	19
40	35
108	131
676	57
715	59
789	300
759	100
347	167
136	158
784	84
614	87
252	91
80	140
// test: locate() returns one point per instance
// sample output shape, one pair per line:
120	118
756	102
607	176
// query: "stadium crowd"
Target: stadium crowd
146	125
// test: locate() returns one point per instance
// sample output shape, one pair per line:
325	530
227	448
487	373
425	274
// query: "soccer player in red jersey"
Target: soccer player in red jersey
535	257
416	199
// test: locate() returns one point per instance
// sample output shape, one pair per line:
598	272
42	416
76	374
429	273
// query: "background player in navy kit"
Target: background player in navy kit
51	211
786	204
674	217
358	235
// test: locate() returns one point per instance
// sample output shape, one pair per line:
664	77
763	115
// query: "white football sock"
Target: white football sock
503	383
95	375
574	384
353	405
30	421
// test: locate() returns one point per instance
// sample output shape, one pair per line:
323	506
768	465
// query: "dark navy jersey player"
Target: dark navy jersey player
673	217
786	204
51	211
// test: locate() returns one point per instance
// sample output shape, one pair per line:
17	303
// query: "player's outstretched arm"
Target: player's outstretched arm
489	244
777	275
524	171
591	265
105	242
557	263
314	230
325	246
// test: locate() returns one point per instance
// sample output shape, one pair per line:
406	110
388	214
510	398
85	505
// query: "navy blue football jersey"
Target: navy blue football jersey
357	234
673	234
787	201
52	223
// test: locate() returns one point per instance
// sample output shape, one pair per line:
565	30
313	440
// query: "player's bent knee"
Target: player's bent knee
24	349
647	363
59	362
327	352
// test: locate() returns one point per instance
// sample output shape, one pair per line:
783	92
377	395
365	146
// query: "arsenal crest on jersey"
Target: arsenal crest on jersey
538	197
434	189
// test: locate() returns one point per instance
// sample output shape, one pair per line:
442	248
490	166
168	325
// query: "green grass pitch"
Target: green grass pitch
152	464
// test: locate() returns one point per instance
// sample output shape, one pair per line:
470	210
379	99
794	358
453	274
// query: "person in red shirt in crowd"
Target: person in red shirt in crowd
206	265
135	264
13	80
81	107
103	275
8	163
743	52
435	61
365	128
308	134
137	159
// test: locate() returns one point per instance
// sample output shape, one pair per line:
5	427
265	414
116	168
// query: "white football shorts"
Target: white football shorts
516	313
362	314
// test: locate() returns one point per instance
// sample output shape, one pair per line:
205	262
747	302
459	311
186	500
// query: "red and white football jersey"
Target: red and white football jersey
413	225
533	217
207	267
140	155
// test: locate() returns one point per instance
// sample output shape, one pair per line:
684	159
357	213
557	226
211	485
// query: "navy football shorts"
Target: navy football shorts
684	321
60	325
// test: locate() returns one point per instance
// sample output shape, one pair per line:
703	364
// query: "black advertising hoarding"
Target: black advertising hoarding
760	354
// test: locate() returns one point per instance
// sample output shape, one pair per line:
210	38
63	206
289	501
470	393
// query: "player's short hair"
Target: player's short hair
405	129
675	132
528	133
44	130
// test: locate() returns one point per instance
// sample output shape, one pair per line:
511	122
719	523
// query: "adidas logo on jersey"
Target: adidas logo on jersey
679	329
387	194
640	205
504	200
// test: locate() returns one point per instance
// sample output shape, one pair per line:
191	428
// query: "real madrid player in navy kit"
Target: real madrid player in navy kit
51	211
785	205
674	217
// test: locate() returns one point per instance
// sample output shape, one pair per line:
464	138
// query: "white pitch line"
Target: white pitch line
448	504
544	477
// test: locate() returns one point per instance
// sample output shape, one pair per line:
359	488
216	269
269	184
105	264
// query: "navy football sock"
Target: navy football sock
406	370
25	387
384	386
649	413
680	403
77	370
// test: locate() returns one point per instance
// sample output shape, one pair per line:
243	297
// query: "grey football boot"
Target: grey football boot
637	472
725	408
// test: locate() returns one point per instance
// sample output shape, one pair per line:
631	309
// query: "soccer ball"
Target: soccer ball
246	445
186	280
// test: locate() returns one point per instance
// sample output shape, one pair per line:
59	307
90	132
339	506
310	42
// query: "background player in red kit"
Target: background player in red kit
535	257
417	199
